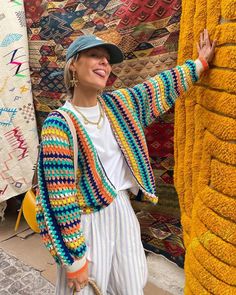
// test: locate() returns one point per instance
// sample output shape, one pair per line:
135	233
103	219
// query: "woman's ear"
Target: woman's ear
72	67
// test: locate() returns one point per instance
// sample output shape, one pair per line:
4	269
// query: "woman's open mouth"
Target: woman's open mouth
100	72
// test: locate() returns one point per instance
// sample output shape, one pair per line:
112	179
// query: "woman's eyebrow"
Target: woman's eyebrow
106	54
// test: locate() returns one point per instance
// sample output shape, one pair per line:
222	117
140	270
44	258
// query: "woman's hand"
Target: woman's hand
80	280
204	47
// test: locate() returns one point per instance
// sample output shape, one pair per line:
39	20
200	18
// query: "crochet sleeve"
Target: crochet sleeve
157	95
58	214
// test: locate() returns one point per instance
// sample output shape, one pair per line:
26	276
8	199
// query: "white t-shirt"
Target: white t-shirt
107	148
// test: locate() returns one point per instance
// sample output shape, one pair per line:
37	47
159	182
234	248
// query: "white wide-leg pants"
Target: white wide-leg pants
115	251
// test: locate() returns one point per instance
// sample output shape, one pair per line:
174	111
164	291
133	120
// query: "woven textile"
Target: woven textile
205	155
18	133
147	32
160	226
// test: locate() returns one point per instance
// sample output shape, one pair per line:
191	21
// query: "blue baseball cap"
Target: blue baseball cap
91	41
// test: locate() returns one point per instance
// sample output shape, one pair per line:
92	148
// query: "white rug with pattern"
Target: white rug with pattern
18	133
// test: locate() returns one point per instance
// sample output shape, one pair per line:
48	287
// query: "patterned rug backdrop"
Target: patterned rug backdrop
147	32
18	132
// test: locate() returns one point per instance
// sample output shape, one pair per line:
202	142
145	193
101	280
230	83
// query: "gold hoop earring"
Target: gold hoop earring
74	82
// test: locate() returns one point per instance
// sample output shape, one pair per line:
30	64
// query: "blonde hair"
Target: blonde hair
68	75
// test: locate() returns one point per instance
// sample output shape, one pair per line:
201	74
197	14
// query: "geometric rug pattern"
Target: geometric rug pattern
18	131
160	226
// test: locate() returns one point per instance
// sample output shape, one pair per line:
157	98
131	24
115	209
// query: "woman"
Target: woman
87	223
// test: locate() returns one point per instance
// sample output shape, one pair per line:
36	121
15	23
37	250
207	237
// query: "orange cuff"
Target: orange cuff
204	63
72	275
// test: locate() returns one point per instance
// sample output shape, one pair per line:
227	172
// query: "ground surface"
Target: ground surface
26	268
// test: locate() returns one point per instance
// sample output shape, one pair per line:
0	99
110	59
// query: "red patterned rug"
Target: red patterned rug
147	32
160	225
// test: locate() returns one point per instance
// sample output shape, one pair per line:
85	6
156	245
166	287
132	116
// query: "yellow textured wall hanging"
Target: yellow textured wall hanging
205	151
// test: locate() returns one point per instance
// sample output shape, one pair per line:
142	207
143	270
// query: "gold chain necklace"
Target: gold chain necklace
87	121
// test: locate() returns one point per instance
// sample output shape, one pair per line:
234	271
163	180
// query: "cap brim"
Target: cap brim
116	55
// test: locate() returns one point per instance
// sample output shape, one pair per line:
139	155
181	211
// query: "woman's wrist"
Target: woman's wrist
77	265
74	274
204	62
200	66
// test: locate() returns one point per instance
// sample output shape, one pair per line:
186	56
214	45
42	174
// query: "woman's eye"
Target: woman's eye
100	56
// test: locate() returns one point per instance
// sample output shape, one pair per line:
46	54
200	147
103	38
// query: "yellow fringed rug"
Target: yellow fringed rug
205	151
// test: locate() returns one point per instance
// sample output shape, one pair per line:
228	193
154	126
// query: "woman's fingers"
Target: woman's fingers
205	48
70	284
213	46
79	281
77	286
201	39
207	38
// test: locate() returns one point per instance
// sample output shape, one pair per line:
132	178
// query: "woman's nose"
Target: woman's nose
104	60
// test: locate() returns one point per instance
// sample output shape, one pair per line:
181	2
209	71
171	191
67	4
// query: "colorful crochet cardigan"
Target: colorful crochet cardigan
60	199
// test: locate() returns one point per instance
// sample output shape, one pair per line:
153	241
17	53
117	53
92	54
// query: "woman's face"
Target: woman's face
93	68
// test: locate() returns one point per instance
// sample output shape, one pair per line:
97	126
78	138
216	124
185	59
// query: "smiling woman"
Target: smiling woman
91	69
87	221
87	59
